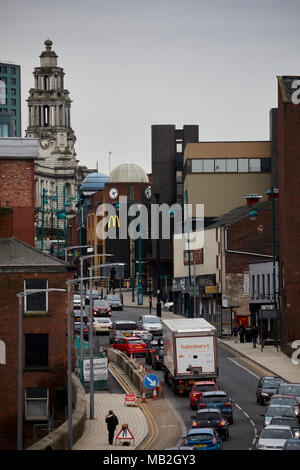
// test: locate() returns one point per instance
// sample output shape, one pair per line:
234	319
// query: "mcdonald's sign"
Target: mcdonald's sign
113	218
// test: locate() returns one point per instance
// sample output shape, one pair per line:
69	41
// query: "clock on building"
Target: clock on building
44	142
113	193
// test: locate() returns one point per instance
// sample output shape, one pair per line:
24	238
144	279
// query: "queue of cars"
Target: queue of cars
282	417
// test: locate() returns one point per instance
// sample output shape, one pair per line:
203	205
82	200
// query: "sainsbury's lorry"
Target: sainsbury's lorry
190	352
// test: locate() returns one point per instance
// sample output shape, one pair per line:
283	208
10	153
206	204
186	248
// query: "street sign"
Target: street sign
151	381
124	434
129	399
268	314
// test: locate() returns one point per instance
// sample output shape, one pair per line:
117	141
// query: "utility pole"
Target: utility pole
158	304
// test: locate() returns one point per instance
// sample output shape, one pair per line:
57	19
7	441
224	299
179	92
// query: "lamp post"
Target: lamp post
74	248
140	287
20	296
158	303
189	256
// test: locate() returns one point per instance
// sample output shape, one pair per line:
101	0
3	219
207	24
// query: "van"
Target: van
121	328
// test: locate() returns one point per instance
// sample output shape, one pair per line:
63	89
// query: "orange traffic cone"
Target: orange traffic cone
154	394
161	392
143	397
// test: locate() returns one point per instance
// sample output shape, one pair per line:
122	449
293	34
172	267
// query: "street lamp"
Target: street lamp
74	248
158	304
189	256
20	296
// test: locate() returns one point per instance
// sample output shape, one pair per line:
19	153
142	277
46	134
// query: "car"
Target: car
273	437
130	346
290	421
85	318
212	418
151	323
153	346
290	389
203	439
292	444
122	328
218	399
157	359
102	325
115	301
169	306
266	387
197	390
285	400
77	327
144	335
77	301
85	330
94	294
278	410
101	307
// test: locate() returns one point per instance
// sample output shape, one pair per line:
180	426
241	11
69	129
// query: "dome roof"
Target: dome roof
94	182
128	173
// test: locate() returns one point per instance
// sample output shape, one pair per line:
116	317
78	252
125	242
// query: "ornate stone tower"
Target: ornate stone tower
56	169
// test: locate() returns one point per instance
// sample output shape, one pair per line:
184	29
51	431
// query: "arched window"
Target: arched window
46	82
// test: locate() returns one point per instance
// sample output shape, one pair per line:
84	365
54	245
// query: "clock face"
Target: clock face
113	193
148	192
44	143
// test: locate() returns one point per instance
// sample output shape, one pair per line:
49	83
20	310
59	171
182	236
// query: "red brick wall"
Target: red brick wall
55	325
289	210
17	191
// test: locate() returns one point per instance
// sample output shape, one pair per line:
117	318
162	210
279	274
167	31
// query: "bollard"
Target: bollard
143	397
154	394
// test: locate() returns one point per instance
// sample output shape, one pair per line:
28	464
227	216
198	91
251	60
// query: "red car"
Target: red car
101	307
130	346
198	389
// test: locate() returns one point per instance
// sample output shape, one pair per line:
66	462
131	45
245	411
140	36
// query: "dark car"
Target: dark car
278	410
212	418
101	307
157	359
266	387
219	400
292	444
152	347
287	421
285	400
290	389
197	390
115	301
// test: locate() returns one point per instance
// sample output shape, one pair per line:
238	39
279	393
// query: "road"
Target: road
237	376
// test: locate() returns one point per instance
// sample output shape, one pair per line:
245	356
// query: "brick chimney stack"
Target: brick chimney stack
6	222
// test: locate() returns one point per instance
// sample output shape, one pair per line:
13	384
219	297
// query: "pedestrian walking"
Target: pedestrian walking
111	422
235	334
254	334
242	333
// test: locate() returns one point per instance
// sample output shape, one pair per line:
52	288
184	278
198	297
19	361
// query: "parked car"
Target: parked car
122	328
212	418
151	323
266	388
115	301
285	400
278	410
102	325
130	346
218	399
203	439
197	390
101	307
290	389
274	437
77	301
169	306
292	444
287	421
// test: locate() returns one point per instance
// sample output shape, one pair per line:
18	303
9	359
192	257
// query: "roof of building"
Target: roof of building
19	256
94	182
236	214
18	148
128	173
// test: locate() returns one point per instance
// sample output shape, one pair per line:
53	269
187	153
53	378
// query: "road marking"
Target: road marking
242	367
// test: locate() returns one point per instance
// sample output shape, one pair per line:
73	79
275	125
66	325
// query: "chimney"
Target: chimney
252	199
6	222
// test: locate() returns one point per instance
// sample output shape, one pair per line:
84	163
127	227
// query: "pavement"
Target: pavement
154	424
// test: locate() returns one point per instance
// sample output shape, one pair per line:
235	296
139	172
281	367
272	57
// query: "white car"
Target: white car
77	301
169	306
102	325
151	323
274	437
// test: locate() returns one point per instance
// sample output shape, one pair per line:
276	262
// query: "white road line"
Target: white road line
242	367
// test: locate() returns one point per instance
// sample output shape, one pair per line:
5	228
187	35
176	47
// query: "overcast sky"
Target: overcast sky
132	63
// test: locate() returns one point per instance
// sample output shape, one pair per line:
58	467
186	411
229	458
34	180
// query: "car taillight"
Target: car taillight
152	350
195	424
227	404
157	357
202	405
194	395
223	422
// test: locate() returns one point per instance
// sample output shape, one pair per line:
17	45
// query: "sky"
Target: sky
130	64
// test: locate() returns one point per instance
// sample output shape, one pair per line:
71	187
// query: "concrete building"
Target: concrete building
22	268
10	100
17	157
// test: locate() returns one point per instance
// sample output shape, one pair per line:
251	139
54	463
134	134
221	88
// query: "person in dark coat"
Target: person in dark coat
111	422
254	334
242	333
235	333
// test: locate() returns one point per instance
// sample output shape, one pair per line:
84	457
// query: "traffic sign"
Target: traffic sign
151	381
124	434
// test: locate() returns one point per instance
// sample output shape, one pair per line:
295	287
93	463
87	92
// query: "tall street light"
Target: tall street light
20	296
158	304
189	255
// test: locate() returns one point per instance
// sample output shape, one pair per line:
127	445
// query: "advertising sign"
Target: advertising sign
100	369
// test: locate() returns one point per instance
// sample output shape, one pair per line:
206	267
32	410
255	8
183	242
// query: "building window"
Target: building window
13	102
13	91
13	81
268	286
13	70
231	165
263	294
36	303
243	165
220	166
36	403
258	286
2	92
197	166
178	176
36	350
254	164
253	287
208	166
4	130
13	112
3	69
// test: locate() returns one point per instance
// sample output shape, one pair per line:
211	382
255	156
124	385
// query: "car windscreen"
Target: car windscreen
102	320
271	382
100	303
294	445
285	421
126	326
199	437
135	341
76	297
204	388
276	434
280	411
215	399
113	297
208	415
151	320
283	401
287	389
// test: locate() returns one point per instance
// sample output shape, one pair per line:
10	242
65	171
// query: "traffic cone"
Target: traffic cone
154	394
161	392
143	396
131	356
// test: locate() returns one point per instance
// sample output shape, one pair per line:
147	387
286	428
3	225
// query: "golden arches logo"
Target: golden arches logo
113	218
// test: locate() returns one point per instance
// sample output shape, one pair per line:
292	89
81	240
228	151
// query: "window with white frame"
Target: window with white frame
36	302
36	404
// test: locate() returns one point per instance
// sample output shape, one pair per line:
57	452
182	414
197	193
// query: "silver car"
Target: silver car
151	323
278	410
274	437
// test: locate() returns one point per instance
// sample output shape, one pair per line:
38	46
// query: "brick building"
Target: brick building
44	337
289	209
17	184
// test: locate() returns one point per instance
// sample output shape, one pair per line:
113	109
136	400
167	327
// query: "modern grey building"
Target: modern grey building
10	100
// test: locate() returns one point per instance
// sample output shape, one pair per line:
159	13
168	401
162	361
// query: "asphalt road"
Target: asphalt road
237	377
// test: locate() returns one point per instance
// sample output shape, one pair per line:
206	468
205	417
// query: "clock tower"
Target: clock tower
49	120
